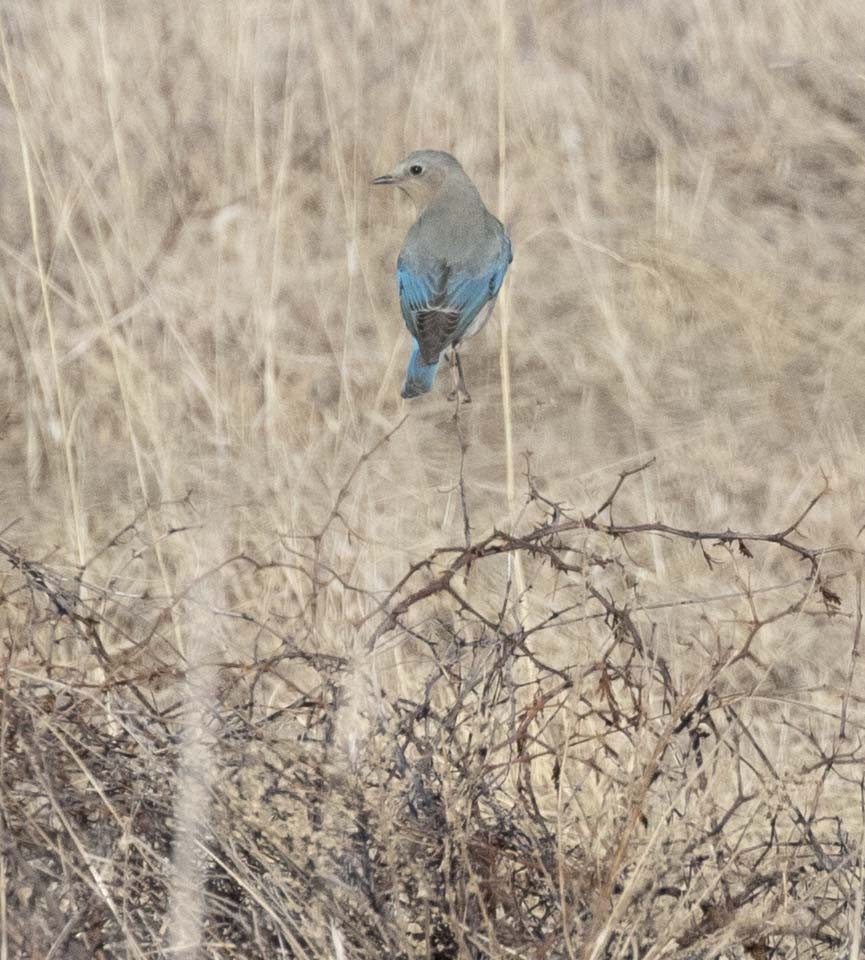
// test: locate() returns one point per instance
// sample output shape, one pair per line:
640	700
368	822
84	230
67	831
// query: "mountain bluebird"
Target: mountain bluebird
451	266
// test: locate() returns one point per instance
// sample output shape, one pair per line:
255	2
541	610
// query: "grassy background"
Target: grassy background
198	297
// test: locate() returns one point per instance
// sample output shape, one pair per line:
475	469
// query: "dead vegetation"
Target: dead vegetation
509	804
294	669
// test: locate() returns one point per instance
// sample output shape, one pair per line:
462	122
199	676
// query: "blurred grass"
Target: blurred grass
685	189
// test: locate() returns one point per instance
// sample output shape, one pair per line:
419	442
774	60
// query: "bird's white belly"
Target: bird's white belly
479	320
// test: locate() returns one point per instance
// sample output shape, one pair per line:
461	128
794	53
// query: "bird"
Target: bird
451	266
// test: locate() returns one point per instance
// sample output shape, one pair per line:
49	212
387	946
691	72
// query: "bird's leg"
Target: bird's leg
461	387
452	363
461	383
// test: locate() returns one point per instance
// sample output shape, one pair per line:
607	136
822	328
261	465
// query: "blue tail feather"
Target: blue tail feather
420	376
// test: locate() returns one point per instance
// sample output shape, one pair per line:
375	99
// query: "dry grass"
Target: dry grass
230	726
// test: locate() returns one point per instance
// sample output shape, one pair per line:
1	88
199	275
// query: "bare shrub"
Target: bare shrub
554	782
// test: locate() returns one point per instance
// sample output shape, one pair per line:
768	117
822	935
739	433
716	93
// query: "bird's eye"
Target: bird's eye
415	169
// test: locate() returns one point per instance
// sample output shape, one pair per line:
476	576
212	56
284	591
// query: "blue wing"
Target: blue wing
439	304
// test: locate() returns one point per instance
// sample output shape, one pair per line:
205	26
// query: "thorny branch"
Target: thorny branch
545	539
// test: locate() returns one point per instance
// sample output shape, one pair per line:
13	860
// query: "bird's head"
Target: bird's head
422	174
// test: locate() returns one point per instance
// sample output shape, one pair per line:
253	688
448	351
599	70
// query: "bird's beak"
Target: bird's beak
384	181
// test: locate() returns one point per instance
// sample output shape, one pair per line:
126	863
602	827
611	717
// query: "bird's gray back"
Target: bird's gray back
456	229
